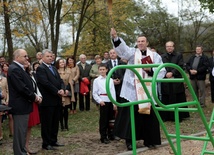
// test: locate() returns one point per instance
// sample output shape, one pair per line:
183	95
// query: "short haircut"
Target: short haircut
46	50
38	53
82	55
103	65
16	53
170	42
97	57
144	37
200	46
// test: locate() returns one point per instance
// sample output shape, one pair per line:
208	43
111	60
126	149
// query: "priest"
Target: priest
146	125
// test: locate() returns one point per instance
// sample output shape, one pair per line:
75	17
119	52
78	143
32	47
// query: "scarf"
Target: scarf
144	108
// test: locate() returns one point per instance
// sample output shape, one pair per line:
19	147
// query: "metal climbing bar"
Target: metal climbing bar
204	149
177	107
131	104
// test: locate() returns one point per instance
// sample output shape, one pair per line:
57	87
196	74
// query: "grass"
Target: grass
81	122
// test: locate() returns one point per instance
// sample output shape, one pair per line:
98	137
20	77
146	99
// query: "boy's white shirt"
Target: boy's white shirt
99	87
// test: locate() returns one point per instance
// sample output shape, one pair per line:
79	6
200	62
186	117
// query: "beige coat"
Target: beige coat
4	88
66	76
75	73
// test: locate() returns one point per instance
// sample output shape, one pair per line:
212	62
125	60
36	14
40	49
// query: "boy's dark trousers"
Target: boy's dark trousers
106	114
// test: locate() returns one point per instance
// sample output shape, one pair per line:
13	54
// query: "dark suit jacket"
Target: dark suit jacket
202	67
84	72
118	74
173	88
210	68
21	91
49	85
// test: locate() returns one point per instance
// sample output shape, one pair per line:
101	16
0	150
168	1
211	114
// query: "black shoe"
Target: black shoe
116	138
111	138
129	147
32	152
203	106
62	128
106	141
57	144
150	146
48	147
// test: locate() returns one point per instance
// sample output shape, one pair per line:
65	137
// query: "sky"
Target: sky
172	6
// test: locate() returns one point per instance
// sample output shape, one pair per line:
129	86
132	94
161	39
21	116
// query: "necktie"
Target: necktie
115	63
51	69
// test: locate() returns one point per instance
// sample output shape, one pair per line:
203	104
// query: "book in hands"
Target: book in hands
146	60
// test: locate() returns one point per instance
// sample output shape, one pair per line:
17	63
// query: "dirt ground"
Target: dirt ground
89	144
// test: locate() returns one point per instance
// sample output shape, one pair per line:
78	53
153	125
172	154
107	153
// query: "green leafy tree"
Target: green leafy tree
208	4
198	27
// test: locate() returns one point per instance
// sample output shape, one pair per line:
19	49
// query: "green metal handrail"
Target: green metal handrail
162	107
204	151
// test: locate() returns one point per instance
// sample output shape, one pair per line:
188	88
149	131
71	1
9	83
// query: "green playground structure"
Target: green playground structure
162	107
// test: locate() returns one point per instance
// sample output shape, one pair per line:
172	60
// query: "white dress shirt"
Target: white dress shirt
114	62
213	72
99	89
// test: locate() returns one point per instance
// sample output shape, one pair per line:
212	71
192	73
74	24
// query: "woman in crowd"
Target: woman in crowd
34	115
94	73
34	66
5	67
65	74
71	63
3	98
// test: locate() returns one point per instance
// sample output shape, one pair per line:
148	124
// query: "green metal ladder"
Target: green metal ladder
204	149
172	107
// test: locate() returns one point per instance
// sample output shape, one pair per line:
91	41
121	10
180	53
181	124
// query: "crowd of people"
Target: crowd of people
46	91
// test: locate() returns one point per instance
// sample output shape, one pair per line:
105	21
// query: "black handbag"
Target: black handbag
68	87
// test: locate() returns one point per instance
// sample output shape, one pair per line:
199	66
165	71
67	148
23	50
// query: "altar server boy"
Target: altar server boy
106	107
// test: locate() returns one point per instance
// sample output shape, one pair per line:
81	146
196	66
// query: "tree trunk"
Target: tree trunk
8	30
82	15
54	11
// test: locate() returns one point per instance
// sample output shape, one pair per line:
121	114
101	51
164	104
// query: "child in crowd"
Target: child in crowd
106	107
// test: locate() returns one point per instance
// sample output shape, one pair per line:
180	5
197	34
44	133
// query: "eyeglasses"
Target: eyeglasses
169	46
26	56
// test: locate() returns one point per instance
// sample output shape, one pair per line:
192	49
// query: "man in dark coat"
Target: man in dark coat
117	76
197	67
51	87
21	98
84	69
211	76
172	92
